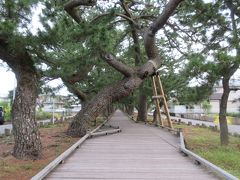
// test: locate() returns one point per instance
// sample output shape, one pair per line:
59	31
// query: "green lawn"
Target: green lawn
206	143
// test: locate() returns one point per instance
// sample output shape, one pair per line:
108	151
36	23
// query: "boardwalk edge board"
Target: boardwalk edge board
102	133
44	172
220	172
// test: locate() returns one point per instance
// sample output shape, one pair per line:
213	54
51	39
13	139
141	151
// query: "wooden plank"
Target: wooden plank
113	131
129	175
157	97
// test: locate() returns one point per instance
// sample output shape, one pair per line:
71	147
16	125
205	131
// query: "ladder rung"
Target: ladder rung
157	97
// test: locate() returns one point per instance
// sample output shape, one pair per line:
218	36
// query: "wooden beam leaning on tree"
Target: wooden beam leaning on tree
133	78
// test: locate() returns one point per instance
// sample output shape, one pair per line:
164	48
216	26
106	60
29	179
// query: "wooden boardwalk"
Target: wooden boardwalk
138	152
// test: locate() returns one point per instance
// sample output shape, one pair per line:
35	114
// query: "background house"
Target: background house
58	104
4	99
233	105
185	109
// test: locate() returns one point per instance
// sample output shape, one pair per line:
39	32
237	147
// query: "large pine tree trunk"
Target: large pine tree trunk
155	118
108	111
142	106
25	130
100	102
129	109
222	113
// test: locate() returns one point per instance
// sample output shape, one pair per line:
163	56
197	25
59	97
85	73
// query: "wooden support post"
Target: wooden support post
157	102
164	101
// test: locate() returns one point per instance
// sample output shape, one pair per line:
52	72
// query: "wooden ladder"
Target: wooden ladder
158	97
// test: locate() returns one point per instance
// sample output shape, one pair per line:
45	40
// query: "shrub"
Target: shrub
41	115
7	110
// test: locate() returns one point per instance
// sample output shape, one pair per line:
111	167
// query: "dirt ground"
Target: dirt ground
54	142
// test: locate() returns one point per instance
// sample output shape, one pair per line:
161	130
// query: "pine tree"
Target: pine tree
133	78
215	26
14	50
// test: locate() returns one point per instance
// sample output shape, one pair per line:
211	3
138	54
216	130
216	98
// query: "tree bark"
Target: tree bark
100	102
155	118
222	113
129	109
25	130
142	97
142	106
108	111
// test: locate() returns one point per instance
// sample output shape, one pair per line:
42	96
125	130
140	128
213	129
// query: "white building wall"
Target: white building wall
214	106
233	107
233	102
178	109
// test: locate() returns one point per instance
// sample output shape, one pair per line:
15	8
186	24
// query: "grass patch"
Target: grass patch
9	169
40	115
26	166
206	143
7	139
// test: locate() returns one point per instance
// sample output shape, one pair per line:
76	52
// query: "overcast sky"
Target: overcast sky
7	80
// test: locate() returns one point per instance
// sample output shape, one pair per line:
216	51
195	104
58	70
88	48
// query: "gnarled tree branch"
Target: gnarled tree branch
71	80
164	16
73	89
70	8
125	8
79	76
149	39
120	67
